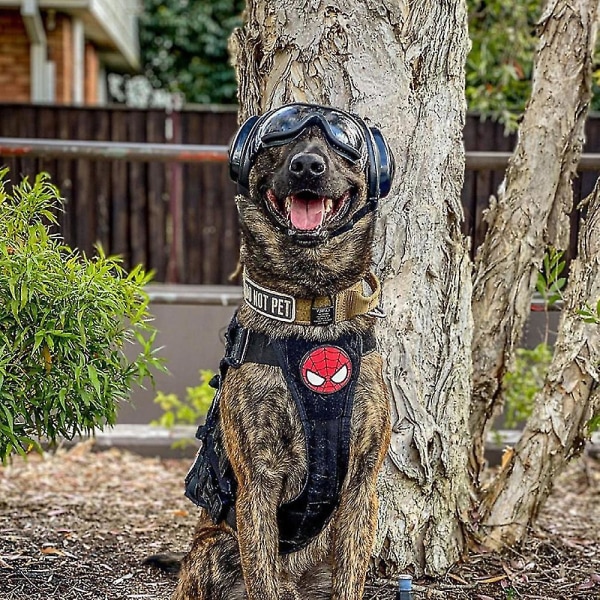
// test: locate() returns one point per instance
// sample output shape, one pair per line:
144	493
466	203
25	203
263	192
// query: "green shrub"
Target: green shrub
65	320
183	46
523	382
500	64
189	411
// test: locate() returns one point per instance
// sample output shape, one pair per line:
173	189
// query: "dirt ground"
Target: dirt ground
77	524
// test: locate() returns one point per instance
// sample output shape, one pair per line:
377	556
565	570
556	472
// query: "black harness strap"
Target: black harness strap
326	422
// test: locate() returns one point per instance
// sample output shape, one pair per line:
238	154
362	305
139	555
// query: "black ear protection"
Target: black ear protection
347	134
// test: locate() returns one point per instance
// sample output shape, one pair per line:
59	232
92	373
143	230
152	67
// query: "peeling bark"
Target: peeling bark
571	396
400	65
531	210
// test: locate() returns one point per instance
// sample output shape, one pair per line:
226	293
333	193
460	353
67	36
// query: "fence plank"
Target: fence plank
84	196
138	204
63	178
119	214
102	182
157	207
193	203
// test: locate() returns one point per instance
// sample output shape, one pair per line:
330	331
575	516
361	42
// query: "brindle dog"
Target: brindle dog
299	187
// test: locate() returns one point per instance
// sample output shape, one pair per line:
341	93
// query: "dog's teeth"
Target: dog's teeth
328	205
288	204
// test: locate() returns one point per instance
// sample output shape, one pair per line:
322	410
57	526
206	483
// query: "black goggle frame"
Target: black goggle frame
344	133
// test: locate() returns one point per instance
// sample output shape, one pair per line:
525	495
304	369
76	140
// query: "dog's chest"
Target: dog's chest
280	428
262	426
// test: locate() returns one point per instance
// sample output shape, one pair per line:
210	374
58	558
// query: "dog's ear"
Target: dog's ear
239	155
384	165
381	165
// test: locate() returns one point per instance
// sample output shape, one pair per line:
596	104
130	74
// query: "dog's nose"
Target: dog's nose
307	163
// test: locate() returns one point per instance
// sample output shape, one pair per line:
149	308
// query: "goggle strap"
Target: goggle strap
370	206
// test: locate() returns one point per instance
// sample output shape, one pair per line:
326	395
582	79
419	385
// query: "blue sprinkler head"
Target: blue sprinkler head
404	588
405	583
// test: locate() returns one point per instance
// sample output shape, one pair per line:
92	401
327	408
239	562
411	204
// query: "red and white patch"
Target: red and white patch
326	369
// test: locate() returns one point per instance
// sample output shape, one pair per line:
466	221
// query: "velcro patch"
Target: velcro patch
268	303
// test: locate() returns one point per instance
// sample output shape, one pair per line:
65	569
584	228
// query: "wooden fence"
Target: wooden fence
180	219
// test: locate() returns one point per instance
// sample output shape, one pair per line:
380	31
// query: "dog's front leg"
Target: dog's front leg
256	509
356	519
265	445
354	534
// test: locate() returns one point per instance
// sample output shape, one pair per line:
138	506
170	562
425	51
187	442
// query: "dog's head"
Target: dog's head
309	178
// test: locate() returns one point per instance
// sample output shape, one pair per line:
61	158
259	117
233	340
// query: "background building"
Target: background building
57	51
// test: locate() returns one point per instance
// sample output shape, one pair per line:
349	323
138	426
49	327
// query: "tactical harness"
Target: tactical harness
321	378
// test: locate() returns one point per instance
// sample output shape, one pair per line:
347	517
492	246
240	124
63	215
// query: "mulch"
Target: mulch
77	524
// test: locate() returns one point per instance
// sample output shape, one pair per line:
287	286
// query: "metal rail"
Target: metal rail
78	149
193	153
478	160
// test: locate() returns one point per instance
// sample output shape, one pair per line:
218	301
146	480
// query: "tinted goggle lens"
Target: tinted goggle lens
342	132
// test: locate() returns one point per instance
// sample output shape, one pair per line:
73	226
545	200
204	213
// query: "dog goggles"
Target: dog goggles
344	134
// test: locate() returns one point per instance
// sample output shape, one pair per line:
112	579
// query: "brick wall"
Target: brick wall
15	64
60	51
92	70
15	82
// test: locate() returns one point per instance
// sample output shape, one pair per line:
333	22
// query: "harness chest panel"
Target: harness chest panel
322	380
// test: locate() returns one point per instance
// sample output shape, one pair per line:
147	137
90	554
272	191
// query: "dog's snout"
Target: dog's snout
307	163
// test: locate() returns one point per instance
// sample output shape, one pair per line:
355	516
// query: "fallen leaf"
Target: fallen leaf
11	556
494	579
588	584
457	578
52	551
122	579
180	513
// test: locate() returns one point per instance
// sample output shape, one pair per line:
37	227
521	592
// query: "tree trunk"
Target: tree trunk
401	66
424	490
570	397
531	210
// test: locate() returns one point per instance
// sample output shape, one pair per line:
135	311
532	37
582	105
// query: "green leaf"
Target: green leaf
93	375
593	424
9	419
540	285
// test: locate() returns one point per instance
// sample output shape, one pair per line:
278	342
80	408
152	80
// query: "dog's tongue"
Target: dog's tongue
306	214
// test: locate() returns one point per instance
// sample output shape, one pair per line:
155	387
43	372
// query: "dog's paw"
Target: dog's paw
169	562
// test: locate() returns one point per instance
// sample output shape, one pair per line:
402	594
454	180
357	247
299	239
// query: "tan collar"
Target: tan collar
322	310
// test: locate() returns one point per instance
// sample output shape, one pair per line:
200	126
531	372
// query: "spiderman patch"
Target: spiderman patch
326	369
